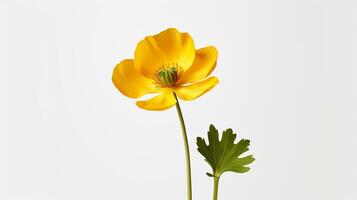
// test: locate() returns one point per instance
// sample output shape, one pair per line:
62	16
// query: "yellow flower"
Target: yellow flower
168	64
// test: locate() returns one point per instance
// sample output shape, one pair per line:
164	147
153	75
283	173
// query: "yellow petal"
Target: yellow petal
204	63
129	82
161	102
168	47
195	90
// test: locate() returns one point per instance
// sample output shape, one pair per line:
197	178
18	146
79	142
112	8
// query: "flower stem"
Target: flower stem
187	149
215	188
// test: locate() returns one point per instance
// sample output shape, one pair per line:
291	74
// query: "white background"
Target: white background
288	74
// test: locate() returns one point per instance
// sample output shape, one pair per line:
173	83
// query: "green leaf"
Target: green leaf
224	155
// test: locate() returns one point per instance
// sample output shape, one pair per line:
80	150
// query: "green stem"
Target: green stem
187	149
215	188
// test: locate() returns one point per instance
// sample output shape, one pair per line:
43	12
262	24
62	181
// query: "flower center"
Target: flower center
167	75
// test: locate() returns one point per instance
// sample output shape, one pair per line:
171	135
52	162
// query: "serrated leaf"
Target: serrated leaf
209	174
224	155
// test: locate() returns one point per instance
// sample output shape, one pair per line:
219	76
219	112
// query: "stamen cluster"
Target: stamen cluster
167	75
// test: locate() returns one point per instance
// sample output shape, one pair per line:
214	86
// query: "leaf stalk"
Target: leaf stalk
215	187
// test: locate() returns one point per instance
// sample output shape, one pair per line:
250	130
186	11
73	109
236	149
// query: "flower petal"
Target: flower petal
168	47
129	82
161	102
204	63
195	90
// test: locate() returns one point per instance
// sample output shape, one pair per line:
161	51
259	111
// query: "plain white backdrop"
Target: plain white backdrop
288	74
